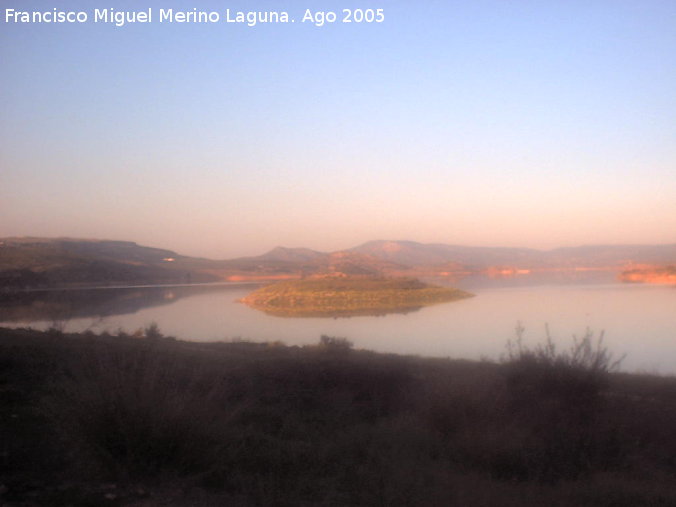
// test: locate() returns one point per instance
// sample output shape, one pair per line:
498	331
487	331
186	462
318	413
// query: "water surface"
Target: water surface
639	320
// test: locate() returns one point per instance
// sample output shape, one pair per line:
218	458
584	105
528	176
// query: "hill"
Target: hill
283	254
477	258
57	262
42	262
418	254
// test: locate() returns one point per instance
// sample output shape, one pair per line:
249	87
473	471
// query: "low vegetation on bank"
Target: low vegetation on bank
349	296
148	420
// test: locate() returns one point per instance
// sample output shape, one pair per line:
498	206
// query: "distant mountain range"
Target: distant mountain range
607	256
48	262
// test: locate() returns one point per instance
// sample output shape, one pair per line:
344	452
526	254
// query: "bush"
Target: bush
574	377
585	354
555	400
334	343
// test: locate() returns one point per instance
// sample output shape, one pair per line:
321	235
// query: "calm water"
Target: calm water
639	320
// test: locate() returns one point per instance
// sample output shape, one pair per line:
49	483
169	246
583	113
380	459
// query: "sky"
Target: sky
487	123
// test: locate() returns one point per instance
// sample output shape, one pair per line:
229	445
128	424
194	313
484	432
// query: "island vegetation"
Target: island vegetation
344	296
141	419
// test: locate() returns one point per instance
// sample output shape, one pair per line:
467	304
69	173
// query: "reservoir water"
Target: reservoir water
638	320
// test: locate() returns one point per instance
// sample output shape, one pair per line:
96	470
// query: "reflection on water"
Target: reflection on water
98	303
639	320
338	314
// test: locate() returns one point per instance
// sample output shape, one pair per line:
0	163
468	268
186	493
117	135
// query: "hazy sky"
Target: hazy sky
506	123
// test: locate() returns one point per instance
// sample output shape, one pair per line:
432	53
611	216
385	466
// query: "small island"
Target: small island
349	296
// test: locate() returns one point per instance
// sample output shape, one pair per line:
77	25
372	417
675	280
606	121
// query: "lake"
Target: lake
638	320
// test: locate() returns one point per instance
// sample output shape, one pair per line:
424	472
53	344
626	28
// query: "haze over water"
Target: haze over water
638	320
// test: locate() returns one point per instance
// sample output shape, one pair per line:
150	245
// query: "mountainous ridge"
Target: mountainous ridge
420	254
38	262
285	254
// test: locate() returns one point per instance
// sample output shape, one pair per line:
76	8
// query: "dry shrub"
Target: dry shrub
142	409
554	400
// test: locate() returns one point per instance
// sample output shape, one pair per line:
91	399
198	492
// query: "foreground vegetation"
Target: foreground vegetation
335	297
146	420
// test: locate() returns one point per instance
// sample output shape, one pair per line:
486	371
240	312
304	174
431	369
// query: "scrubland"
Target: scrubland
148	420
